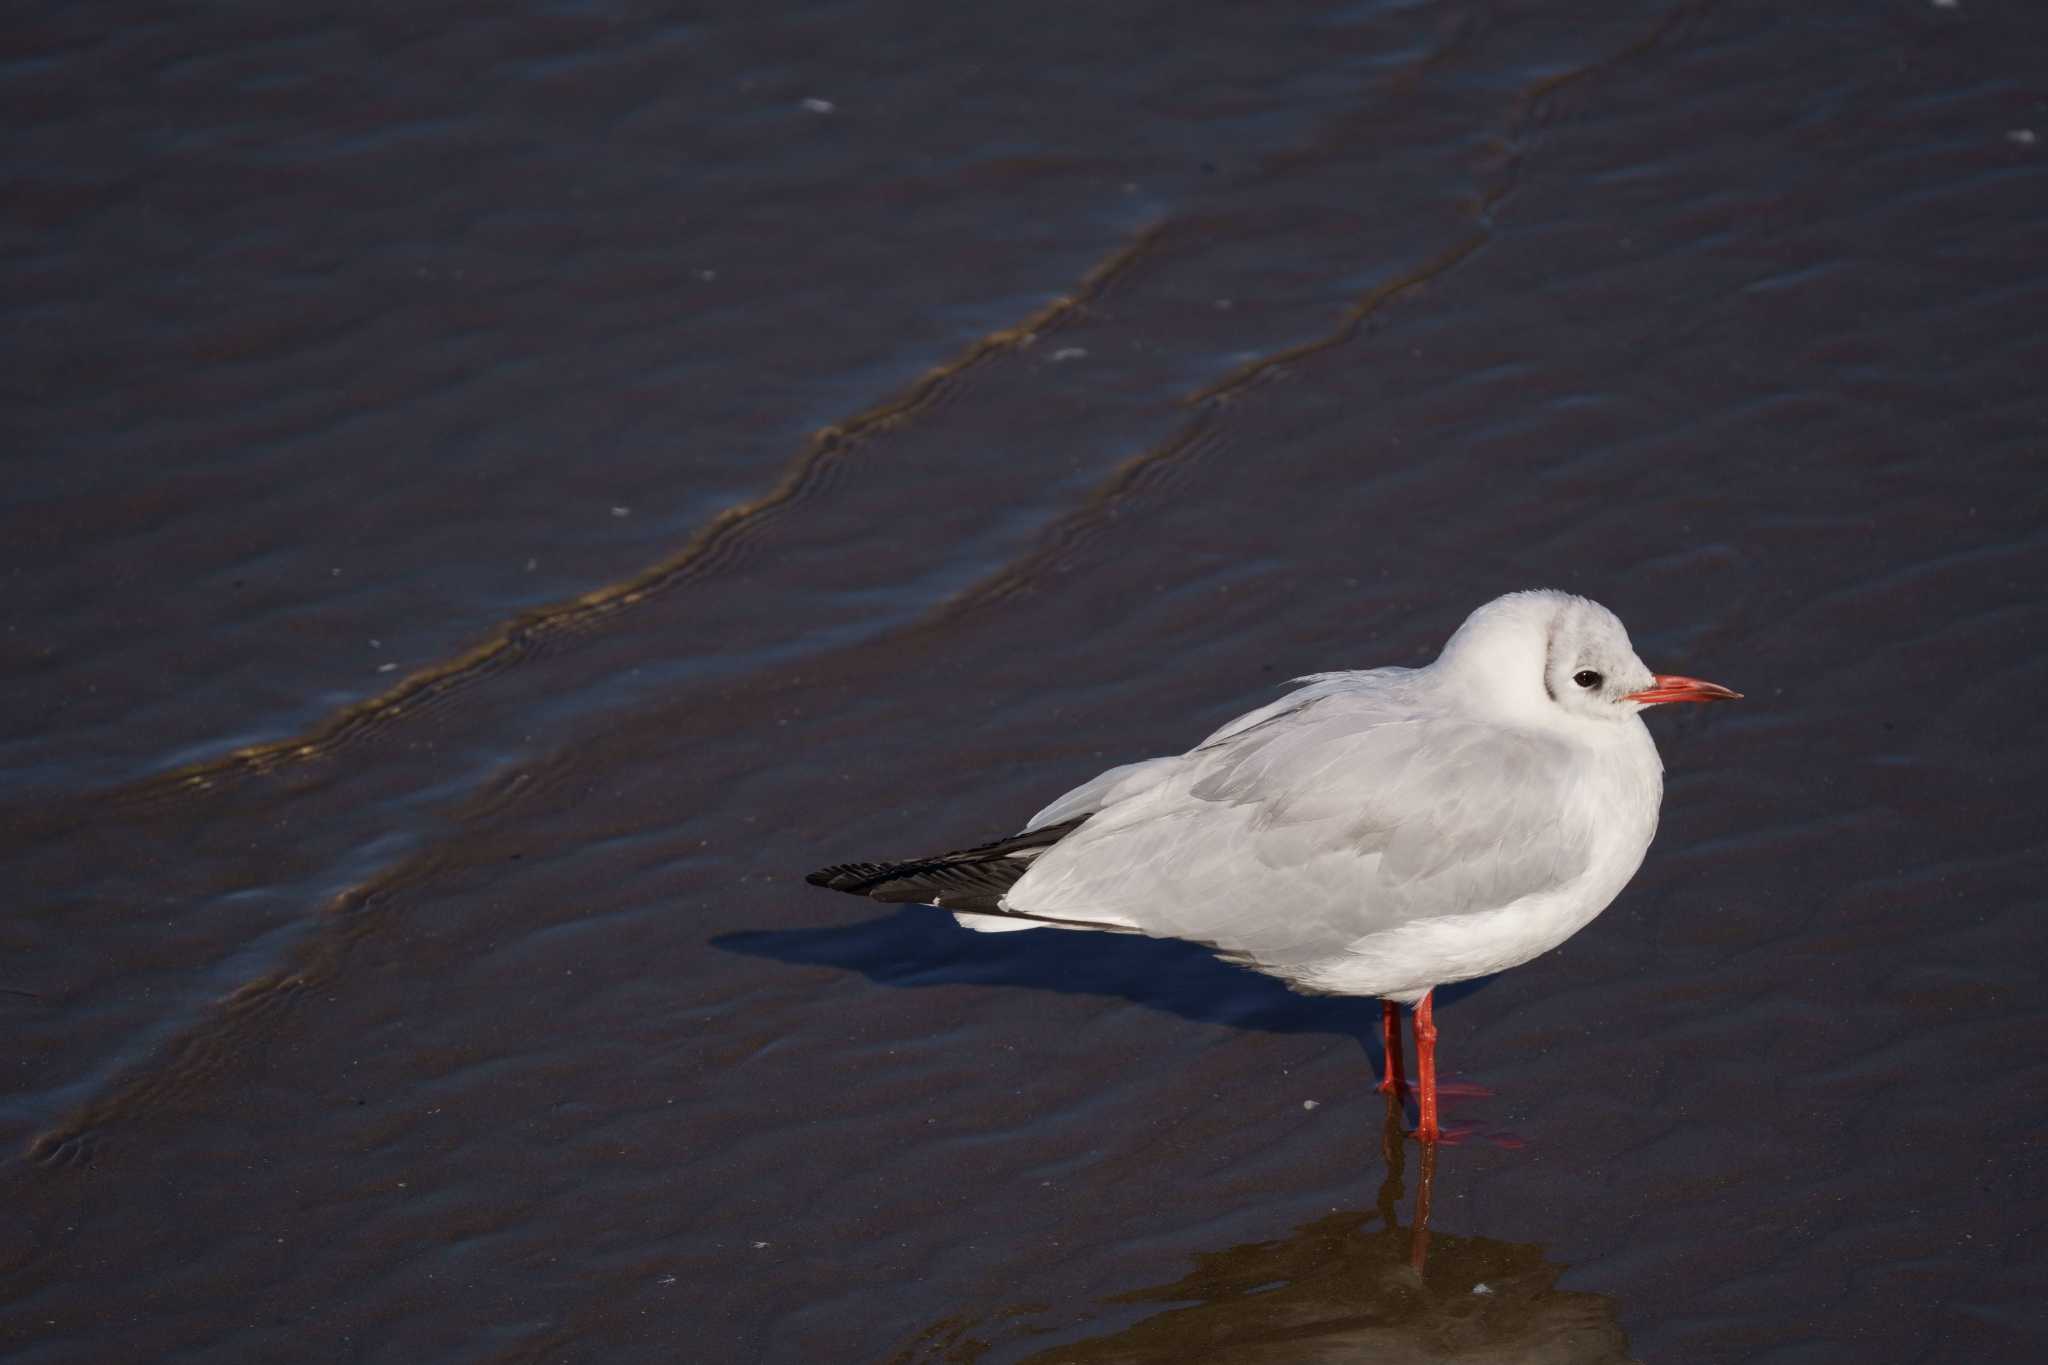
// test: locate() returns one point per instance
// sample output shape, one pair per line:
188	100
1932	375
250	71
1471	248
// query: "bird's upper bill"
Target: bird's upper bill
1677	687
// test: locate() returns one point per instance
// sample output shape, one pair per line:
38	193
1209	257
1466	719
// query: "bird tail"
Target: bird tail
974	879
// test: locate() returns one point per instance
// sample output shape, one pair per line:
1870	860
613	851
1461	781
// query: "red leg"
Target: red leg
1391	1080
1425	1067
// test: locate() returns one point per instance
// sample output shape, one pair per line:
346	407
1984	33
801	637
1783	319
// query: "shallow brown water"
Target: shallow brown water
736	486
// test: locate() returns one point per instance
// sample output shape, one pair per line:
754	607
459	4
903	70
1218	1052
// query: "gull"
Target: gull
1374	833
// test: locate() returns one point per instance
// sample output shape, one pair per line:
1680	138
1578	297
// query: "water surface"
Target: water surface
495	498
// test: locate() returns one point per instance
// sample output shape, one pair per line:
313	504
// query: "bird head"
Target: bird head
1529	651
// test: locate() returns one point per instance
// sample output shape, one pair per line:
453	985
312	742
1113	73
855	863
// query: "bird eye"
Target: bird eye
1586	677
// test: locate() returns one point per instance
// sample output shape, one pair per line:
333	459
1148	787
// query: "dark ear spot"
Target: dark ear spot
1550	648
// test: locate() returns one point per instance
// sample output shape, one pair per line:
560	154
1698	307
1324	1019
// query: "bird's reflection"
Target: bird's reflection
1352	1287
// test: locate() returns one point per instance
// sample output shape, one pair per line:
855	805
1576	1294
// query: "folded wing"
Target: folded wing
1338	812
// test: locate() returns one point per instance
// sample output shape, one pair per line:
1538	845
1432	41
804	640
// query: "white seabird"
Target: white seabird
1375	833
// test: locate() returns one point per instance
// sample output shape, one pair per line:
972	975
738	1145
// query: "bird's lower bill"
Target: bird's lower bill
1678	687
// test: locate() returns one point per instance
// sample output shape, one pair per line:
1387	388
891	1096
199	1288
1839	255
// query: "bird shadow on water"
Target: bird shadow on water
919	946
1351	1286
1357	1285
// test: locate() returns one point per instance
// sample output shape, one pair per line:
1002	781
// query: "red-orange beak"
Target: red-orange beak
1677	687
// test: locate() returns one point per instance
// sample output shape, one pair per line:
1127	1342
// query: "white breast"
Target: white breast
1618	794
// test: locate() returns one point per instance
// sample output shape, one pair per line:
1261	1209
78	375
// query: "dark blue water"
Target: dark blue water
494	497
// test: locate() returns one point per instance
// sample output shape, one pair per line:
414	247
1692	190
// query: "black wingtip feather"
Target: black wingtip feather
971	879
853	877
